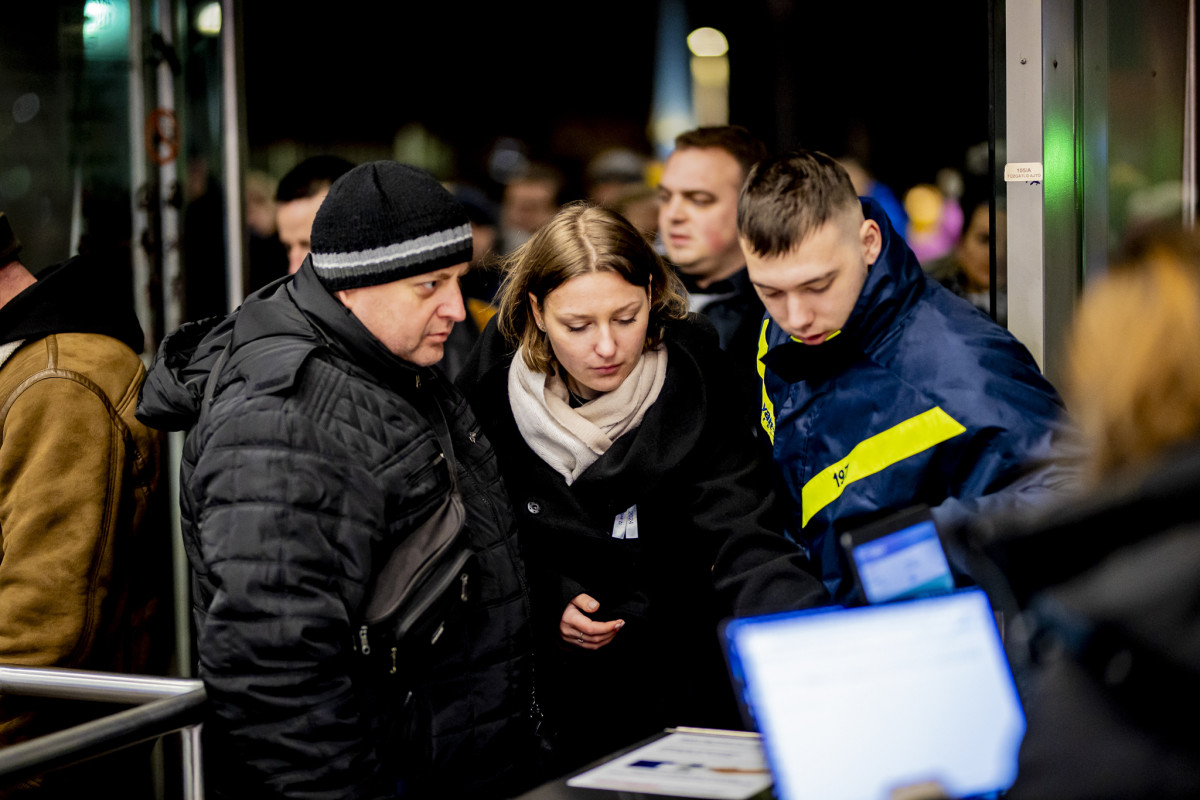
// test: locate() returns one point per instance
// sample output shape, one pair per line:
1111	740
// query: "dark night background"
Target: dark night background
571	79
904	84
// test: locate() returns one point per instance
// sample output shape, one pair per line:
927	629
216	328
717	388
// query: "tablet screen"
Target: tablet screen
908	562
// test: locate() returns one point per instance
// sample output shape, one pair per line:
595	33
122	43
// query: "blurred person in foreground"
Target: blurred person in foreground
645	507
881	389
1107	587
83	567
328	442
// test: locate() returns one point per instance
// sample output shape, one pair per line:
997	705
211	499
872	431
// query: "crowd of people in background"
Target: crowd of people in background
597	426
946	220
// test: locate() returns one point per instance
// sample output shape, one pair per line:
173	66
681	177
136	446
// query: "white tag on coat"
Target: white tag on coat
625	524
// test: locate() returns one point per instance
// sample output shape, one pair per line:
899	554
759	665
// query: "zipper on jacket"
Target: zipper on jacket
364	645
393	669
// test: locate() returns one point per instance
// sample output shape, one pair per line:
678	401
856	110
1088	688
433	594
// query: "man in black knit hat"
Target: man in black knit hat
326	442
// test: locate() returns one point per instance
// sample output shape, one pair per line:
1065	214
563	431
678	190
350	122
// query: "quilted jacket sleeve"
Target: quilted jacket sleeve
286	528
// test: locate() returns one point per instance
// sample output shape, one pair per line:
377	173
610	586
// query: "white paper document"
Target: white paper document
685	764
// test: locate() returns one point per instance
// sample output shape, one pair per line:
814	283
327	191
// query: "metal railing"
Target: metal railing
162	706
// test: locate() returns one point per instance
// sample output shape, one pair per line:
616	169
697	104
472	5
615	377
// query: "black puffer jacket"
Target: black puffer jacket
737	314
313	460
709	545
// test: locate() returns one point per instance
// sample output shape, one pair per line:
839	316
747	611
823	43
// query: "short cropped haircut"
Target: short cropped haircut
580	239
311	177
787	197
740	143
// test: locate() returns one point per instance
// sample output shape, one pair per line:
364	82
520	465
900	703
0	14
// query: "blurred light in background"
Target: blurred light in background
208	19
26	107
710	76
417	145
98	15
671	107
105	29
707	42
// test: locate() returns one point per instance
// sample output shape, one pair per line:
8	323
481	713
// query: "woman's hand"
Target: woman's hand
579	630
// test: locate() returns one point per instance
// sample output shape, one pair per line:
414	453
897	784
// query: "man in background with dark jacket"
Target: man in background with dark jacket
881	389
81	562
328	440
697	220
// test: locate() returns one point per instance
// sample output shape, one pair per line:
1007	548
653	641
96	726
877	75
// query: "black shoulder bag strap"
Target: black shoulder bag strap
426	577
210	385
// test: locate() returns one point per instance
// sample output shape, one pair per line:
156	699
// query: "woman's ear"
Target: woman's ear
537	312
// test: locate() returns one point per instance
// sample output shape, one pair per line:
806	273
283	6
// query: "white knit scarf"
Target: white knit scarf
571	439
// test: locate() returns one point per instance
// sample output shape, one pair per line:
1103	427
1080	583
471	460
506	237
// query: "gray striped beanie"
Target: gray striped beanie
384	221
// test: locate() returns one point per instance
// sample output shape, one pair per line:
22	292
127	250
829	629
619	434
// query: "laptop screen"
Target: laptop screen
860	702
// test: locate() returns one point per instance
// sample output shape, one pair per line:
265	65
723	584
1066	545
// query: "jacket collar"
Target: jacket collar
344	333
894	282
269	338
82	295
735	284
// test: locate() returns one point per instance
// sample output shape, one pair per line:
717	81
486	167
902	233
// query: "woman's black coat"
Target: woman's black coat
709	546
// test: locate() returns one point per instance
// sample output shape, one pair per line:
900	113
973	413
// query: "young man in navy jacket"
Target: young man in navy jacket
881	389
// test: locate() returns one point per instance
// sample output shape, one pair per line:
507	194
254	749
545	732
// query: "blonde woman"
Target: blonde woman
642	494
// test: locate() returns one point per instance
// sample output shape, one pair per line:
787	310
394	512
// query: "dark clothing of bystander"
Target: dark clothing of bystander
316	457
736	311
1106	589
84	556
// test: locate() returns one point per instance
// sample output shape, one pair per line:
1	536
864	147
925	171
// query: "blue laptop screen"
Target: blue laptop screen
861	702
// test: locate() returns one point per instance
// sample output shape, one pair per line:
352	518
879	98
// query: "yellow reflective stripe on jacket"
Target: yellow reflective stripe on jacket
767	417
877	453
827	338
